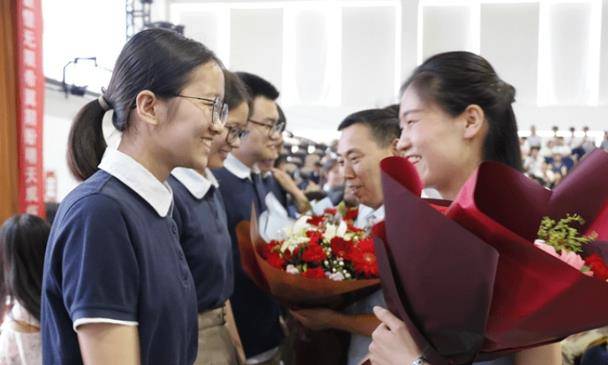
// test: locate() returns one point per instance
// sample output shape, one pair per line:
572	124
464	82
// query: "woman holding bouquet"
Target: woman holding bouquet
455	113
116	287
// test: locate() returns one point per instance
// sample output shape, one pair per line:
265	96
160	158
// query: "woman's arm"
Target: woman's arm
546	355
105	343
287	183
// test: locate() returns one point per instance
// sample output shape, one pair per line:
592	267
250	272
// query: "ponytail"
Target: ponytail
86	143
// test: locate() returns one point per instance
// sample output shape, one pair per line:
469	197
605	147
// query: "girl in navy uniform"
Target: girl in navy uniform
116	287
256	313
202	225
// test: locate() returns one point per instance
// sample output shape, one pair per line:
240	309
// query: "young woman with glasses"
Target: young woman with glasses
203	230
117	287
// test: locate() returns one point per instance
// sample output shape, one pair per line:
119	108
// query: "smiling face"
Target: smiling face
360	156
185	136
237	119
259	144
443	148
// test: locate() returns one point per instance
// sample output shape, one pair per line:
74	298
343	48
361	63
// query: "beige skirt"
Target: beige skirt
215	346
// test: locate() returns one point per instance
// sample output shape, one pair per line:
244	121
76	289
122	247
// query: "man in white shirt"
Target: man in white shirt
367	137
533	139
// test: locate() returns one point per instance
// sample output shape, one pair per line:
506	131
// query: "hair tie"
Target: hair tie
103	103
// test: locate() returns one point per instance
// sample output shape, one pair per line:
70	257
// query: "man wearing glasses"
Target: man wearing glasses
255	312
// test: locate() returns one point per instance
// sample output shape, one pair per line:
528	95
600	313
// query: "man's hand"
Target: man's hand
315	319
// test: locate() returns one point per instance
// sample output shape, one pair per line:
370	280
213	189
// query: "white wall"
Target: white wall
331	58
334	57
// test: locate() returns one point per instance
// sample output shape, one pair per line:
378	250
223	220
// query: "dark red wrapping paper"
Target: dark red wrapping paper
470	282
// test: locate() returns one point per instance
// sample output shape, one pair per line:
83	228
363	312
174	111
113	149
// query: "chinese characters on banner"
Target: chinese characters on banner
30	80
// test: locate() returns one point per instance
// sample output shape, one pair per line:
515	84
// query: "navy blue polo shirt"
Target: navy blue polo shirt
273	186
201	220
112	258
256	313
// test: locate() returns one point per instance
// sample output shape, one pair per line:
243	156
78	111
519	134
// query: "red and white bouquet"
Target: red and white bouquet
318	260
324	246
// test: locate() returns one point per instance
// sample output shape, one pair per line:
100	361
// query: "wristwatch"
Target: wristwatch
419	361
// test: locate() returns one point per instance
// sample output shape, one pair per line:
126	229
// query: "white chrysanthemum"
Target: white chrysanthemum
342	228
337	276
330	232
292	242
301	225
292	270
348	236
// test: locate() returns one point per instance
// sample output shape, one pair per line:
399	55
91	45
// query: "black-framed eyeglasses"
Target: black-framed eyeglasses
219	110
276	128
234	134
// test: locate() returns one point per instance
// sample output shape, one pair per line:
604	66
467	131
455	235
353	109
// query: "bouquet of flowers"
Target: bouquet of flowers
325	246
320	259
467	277
561	240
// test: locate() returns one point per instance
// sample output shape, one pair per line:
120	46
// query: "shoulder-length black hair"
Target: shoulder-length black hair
22	246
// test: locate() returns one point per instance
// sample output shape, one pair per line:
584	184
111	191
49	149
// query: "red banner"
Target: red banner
30	83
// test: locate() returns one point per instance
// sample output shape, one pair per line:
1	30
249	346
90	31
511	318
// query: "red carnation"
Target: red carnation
315	237
266	250
315	220
597	265
314	273
331	211
364	258
367	244
353	229
288	255
275	260
341	247
314	254
351	214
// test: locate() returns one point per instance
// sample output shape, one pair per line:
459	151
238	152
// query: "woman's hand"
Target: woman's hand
391	341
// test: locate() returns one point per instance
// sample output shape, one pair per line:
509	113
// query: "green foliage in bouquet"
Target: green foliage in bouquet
562	235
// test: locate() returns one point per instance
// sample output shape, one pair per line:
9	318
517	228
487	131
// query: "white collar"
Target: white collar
364	212
139	179
238	168
367	216
197	184
377	215
209	176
